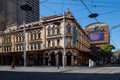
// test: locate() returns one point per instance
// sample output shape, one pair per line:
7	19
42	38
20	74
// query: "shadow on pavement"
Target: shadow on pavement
11	75
111	65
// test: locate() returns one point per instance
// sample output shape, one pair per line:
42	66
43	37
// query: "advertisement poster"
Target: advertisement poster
96	37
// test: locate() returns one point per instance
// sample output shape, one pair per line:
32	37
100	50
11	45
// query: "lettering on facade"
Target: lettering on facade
95	30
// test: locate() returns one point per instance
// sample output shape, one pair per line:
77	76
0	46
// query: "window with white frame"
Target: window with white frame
68	42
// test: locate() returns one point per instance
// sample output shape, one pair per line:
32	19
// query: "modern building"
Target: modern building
13	15
53	40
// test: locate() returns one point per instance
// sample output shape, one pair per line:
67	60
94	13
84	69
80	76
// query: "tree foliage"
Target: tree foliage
106	49
116	54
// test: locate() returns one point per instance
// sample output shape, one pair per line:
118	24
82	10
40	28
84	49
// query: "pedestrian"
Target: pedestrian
75	63
13	66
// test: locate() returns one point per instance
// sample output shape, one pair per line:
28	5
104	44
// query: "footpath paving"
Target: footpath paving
36	69
66	69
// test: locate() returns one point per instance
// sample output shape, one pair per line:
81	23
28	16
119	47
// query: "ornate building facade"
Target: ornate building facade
48	42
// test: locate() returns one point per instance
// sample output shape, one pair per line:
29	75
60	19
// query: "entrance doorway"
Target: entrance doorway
52	59
40	59
46	58
60	58
69	58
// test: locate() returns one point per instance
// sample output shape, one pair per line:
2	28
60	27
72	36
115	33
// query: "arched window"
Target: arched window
68	29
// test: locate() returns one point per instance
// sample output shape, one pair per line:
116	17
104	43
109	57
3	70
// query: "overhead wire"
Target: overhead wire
62	6
114	43
99	6
63	3
88	9
86	6
43	1
102	14
105	2
50	9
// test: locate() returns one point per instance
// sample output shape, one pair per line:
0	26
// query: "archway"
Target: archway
69	58
46	58
52	55
60	58
40	59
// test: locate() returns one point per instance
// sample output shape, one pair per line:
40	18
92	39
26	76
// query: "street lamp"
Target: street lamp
114	27
93	15
64	40
25	7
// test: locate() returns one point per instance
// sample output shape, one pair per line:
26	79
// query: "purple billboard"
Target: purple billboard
96	36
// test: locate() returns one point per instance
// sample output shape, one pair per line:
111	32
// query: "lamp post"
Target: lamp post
114	27
63	59
25	7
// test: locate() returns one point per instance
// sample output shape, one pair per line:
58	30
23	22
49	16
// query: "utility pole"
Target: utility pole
24	31
25	7
64	45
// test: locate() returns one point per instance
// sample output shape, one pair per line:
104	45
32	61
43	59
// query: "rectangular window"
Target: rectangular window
34	36
4	48
39	35
68	42
58	42
49	43
48	32
31	46
20	47
35	46
53	31
16	47
9	48
53	43
31	36
58	30
39	45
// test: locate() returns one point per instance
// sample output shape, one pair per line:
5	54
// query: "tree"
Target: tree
106	49
106	52
116	54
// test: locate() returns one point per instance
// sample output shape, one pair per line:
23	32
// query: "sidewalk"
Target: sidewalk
36	69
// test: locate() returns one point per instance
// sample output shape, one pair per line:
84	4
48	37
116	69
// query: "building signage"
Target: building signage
95	30
96	37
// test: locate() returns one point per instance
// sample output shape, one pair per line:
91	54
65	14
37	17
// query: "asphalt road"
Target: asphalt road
5	75
78	73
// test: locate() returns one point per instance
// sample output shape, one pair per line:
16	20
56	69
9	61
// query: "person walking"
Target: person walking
13	66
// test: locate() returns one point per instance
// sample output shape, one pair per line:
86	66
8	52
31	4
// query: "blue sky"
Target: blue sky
108	10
